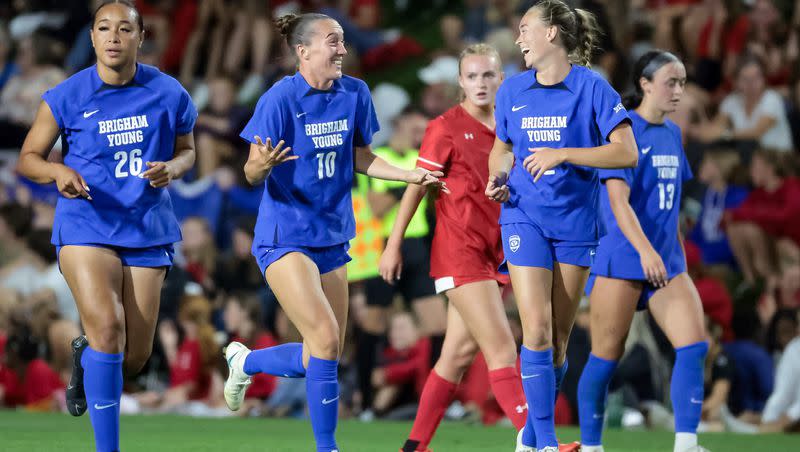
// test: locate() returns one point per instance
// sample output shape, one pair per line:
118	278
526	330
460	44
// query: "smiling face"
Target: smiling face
480	77
116	36
325	50
665	90
535	38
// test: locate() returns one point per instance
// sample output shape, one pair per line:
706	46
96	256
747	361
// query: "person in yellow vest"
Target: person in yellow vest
415	284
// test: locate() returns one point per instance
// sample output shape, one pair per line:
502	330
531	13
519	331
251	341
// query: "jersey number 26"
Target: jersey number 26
132	158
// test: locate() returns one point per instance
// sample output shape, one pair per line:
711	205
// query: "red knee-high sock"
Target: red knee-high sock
436	397
507	389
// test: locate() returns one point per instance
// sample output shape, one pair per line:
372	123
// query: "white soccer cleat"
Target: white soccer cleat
238	381
521	447
549	449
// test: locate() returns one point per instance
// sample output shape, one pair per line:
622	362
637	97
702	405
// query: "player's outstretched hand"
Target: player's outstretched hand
70	184
421	176
654	269
160	174
497	189
272	156
542	160
391	264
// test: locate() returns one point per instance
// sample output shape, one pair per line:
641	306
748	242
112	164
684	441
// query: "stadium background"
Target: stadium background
226	53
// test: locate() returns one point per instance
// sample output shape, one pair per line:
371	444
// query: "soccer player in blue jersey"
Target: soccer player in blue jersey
640	263
126	132
308	135
556	124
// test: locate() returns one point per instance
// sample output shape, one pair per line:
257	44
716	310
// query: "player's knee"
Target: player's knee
538	337
324	343
108	336
501	356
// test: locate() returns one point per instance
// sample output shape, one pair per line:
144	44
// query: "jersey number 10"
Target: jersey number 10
327	164
666	196
132	158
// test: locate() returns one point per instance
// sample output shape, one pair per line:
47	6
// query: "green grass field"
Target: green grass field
26	432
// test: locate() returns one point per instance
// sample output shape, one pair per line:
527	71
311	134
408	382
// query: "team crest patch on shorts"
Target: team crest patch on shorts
513	243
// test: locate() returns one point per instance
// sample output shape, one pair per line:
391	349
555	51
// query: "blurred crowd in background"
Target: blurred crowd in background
740	117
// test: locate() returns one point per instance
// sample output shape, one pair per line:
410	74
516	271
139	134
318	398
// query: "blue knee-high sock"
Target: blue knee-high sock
528	435
539	383
102	378
322	393
687	386
592	394
285	360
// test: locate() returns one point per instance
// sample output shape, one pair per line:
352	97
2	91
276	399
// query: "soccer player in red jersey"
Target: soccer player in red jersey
466	250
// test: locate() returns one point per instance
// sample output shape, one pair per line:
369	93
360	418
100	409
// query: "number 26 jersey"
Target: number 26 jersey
108	133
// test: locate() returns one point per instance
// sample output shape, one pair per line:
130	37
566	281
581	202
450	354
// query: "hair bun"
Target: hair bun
286	23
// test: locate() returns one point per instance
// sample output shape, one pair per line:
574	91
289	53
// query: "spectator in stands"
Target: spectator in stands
716	171
22	93
217	129
768	217
767	39
193	363
752	112
236	270
782	410
244	322
720	40
199	252
26	380
755	372
405	364
719	374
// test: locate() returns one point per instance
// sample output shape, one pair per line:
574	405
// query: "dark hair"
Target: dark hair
646	66
296	28
577	27
127	3
772	330
780	162
749	59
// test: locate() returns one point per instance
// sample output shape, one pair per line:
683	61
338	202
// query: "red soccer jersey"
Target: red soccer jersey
188	368
466	242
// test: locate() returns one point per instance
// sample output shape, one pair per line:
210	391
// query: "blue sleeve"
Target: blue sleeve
54	100
267	121
625	174
187	114
608	109
500	111
366	119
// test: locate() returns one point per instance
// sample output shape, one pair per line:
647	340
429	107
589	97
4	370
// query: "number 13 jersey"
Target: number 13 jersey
108	133
655	197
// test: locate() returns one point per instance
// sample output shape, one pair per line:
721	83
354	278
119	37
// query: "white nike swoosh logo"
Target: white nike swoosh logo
327	402
301	114
86	114
647	149
525	377
693	400
103	407
515	108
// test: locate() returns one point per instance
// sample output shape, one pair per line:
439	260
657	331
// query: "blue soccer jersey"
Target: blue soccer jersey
655	197
108	133
579	112
307	201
